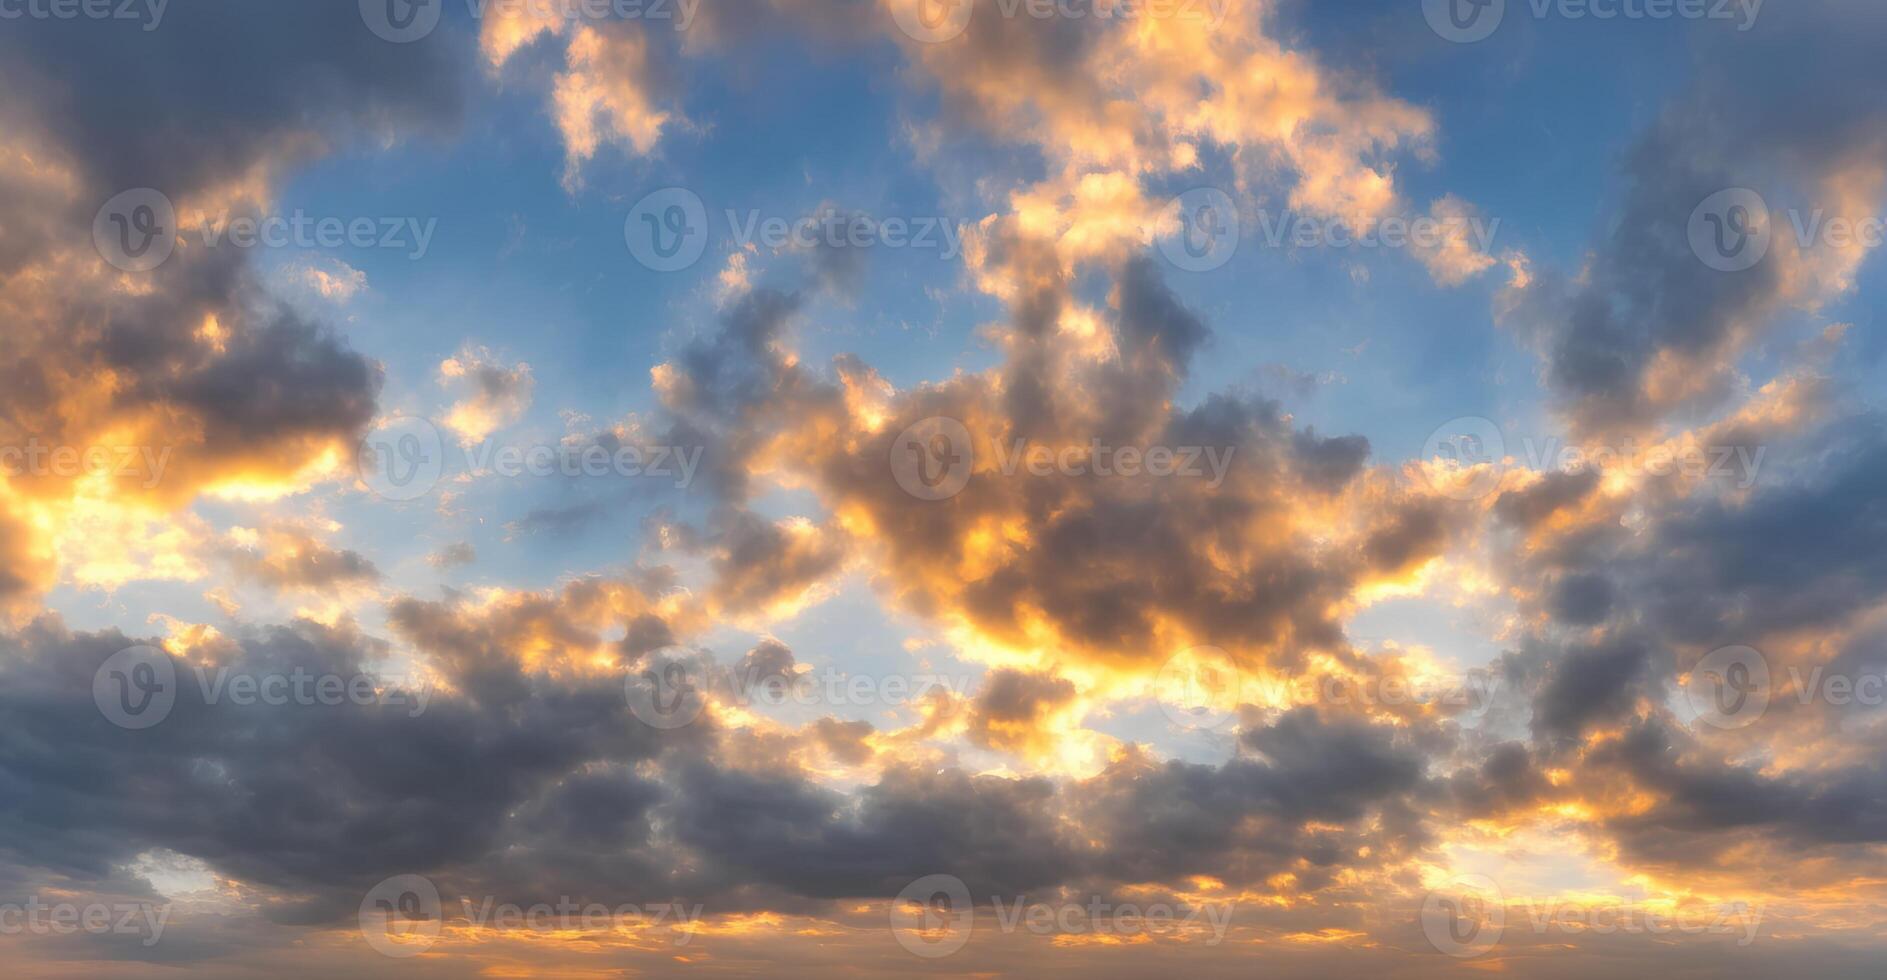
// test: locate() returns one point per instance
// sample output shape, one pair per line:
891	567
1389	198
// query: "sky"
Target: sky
942	487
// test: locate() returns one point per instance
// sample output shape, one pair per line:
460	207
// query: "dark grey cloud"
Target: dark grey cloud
1329	464
1782	108
221	87
316	800
286	557
562	792
210	109
1554	492
1244	821
1706	805
1014	706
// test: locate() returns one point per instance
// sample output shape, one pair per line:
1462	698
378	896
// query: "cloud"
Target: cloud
333	280
455	555
286	557
199	364
1650	328
499	395
611	90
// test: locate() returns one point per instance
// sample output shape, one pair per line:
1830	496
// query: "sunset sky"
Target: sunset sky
871	488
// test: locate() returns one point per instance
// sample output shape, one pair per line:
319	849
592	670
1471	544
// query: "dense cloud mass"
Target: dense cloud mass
748	597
